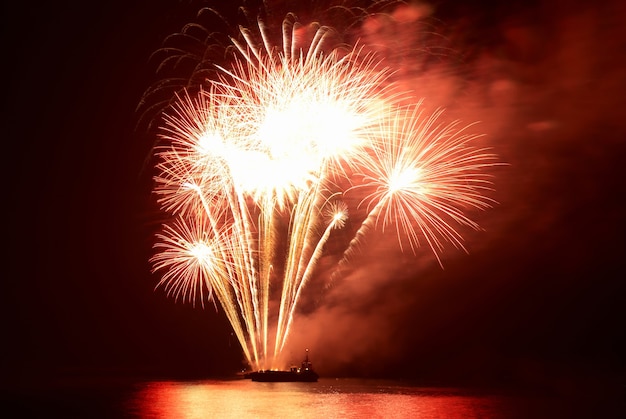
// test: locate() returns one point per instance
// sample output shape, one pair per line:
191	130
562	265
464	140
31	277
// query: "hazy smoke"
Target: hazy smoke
545	81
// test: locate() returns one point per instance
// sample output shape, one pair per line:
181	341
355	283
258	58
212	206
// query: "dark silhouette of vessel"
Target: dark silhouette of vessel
303	374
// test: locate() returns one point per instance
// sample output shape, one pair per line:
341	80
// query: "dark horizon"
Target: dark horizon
539	299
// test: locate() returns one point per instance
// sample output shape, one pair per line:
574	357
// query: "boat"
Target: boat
304	373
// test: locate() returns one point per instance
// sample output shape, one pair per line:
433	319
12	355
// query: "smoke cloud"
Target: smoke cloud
544	82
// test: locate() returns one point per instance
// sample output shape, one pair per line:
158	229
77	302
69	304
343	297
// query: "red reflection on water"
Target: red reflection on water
169	399
327	399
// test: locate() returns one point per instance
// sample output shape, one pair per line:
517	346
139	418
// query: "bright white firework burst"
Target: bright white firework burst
253	170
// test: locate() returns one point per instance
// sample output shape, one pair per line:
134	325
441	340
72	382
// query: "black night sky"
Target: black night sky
539	299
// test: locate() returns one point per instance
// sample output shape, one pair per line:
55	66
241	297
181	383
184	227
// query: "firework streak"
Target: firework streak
254	171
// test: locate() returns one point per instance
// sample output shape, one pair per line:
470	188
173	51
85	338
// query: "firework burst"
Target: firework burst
254	167
419	176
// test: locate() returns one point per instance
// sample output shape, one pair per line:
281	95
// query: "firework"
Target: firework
254	169
419	176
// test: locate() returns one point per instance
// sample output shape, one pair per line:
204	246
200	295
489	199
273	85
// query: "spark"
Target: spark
254	170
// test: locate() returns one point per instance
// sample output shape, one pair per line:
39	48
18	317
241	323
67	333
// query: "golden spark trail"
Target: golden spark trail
305	216
339	214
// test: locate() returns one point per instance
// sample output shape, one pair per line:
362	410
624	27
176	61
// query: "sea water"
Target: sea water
327	398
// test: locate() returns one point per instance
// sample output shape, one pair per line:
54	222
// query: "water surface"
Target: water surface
328	398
